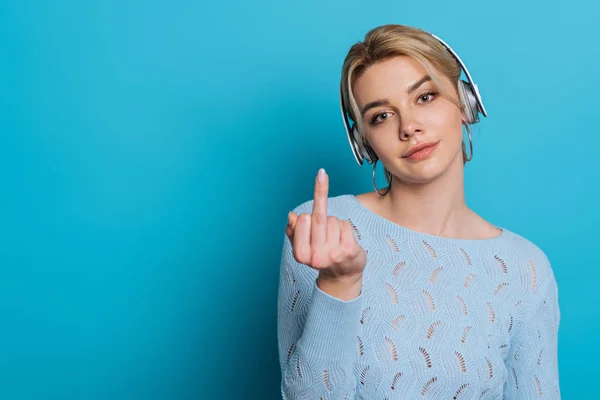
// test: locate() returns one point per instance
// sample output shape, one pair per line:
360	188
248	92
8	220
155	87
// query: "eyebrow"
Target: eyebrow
383	102
418	83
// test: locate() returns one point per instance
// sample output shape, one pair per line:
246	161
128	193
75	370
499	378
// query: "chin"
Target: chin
421	172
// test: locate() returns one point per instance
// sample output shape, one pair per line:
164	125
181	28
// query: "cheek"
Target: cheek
383	136
445	118
446	125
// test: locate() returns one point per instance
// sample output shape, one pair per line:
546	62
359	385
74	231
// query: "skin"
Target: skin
328	245
426	195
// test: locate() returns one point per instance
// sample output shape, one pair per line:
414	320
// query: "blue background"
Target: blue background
150	152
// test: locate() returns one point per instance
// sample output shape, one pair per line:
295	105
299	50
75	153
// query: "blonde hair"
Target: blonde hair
392	40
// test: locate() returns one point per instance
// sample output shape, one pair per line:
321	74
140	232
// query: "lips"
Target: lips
419	147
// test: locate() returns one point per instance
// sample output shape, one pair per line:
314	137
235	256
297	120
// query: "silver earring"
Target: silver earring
470	143
387	178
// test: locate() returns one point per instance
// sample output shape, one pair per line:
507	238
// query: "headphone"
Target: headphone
469	97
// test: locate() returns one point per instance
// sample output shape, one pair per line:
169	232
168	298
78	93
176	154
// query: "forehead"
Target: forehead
387	77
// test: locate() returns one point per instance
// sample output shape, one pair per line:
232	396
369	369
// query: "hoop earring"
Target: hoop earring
470	143
387	178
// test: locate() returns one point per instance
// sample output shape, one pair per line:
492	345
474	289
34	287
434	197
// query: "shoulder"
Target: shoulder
526	247
536	268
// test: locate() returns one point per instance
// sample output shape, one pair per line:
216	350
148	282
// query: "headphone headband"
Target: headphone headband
464	68
468	91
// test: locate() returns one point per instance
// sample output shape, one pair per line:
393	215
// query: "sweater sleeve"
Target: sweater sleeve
532	362
316	335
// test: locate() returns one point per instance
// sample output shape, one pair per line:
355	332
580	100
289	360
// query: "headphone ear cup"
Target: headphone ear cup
364	148
468	101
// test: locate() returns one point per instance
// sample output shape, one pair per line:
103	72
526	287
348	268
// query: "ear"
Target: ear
463	116
363	137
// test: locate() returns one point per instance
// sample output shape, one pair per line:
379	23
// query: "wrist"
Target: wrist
342	287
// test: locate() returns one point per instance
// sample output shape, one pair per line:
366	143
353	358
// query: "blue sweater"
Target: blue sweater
437	318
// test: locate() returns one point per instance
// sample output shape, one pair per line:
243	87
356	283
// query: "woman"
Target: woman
405	292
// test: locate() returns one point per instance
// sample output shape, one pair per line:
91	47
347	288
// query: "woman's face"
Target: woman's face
401	108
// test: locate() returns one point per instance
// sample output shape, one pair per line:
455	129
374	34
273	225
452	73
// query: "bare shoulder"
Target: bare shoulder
476	226
481	228
368	199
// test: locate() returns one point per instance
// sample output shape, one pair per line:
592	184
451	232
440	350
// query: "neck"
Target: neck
437	207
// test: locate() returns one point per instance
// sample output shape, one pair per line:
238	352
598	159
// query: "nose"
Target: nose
409	127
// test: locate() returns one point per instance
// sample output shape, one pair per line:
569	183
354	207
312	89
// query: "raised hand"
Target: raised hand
326	243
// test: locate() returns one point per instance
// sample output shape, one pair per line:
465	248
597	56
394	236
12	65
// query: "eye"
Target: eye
427	97
376	118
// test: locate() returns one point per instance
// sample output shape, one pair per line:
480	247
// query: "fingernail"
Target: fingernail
290	218
321	176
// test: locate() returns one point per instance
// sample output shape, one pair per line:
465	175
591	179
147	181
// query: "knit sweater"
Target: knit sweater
437	318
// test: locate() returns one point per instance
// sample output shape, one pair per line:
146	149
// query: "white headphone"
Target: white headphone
469	97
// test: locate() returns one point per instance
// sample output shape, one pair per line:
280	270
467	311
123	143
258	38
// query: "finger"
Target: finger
318	234
291	224
293	219
288	227
346	234
333	231
301	242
